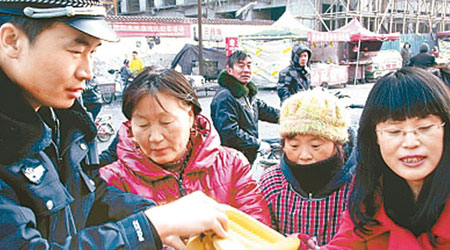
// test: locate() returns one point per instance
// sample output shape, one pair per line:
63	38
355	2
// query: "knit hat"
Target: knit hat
314	112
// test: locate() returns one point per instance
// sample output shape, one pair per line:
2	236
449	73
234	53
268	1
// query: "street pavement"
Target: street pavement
358	94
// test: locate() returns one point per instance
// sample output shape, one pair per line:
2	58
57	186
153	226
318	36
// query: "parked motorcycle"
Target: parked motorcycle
266	159
111	87
105	129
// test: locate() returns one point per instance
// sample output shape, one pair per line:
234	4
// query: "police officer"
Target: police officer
50	195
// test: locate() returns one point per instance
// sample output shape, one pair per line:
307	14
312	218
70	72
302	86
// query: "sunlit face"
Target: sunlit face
413	155
242	70
303	58
53	69
308	149
162	133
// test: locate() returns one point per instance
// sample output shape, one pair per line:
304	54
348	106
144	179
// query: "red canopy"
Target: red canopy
443	34
353	31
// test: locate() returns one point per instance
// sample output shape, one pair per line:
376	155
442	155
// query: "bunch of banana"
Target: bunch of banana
244	233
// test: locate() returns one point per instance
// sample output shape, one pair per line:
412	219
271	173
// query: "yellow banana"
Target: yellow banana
244	233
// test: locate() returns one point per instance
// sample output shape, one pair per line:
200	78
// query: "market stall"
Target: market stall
271	48
444	47
443	60
351	45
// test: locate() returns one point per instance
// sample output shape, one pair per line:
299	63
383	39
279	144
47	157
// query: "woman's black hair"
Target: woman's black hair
404	45
407	93
151	82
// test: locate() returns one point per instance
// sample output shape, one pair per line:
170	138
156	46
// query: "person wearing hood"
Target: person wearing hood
296	77
168	149
423	59
308	191
235	109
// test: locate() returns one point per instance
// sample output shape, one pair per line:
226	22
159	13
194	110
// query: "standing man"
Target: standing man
50	195
92	99
423	59
125	73
136	65
296	76
235	110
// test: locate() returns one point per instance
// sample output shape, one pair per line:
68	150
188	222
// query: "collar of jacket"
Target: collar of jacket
206	144
21	130
398	236
237	88
342	176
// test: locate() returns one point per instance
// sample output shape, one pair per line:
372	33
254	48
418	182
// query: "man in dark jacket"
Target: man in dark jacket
296	76
423	59
92	98
235	110
50	193
125	73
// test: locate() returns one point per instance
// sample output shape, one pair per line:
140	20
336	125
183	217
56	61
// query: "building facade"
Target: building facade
382	16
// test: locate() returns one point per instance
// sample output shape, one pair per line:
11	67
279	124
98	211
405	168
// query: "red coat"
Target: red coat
220	172
389	235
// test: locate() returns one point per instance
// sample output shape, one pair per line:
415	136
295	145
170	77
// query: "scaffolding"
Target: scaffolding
382	16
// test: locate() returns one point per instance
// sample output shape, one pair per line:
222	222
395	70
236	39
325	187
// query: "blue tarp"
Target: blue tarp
414	39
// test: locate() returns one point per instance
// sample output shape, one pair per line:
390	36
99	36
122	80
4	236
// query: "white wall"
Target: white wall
111	55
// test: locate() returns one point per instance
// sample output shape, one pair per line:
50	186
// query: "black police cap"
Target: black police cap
84	15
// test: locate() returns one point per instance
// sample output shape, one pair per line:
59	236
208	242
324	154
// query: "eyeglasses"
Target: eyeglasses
422	131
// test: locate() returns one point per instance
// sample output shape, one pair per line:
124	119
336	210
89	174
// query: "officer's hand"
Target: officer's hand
187	216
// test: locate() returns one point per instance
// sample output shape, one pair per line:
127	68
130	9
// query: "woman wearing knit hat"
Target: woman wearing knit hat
308	191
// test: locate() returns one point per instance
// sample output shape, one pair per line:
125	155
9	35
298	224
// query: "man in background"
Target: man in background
136	65
296	77
423	59
235	109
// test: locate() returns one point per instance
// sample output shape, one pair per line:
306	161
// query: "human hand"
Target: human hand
264	147
192	214
307	242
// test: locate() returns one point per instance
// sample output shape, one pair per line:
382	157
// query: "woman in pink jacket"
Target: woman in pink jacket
167	149
400	198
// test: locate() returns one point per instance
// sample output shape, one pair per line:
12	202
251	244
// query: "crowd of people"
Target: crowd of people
164	176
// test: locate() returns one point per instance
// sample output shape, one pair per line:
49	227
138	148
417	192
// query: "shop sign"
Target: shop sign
129	29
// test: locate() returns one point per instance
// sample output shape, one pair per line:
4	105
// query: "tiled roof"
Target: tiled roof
185	20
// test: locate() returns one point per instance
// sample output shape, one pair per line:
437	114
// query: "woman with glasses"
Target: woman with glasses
167	149
400	198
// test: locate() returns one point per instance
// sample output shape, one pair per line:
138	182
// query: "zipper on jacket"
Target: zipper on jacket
56	136
180	186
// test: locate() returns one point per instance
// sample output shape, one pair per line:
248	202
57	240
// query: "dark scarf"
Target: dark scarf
179	165
237	88
399	202
21	130
314	177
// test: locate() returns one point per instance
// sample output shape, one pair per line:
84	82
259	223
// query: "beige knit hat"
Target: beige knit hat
315	112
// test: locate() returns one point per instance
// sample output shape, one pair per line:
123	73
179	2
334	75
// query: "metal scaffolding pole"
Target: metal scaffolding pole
200	38
405	16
